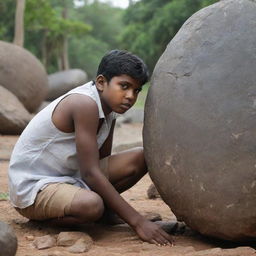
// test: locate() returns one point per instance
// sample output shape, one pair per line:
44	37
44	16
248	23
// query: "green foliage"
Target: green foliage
106	22
4	196
144	28
151	24
86	52
7	14
48	18
46	28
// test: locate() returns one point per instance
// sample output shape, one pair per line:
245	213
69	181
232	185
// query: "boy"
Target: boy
62	169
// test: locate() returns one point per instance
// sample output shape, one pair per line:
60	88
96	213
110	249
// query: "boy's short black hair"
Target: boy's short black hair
121	62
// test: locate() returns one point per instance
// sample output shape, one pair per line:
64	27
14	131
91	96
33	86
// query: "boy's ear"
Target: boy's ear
100	82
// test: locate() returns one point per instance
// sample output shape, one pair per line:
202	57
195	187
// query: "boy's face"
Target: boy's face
119	94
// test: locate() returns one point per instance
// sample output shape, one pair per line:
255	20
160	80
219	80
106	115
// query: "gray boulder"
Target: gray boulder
13	115
8	240
200	119
23	75
63	81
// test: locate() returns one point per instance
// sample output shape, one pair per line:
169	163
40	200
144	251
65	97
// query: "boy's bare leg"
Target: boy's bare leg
87	206
125	169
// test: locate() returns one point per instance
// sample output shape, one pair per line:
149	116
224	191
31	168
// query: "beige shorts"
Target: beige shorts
55	200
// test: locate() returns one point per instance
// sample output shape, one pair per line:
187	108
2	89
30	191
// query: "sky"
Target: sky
116	3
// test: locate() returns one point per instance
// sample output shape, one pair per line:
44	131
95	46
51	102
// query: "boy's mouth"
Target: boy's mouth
126	106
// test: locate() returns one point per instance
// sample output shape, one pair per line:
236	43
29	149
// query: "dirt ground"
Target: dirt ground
111	240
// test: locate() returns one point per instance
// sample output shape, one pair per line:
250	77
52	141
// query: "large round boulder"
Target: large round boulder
8	240
63	81
23	74
13	115
200	122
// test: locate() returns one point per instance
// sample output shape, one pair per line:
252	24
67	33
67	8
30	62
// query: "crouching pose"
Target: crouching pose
62	169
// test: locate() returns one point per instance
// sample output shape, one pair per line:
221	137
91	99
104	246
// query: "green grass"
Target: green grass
142	97
4	196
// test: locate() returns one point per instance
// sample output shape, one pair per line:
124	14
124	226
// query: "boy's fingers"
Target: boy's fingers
153	241
161	240
167	236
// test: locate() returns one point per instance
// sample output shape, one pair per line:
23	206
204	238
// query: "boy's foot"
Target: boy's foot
110	218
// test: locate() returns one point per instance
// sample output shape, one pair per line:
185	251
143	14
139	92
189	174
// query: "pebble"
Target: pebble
152	216
80	246
30	237
152	192
70	238
44	242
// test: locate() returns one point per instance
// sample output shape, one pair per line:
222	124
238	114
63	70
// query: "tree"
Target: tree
106	22
19	23
64	55
151	24
47	27
7	17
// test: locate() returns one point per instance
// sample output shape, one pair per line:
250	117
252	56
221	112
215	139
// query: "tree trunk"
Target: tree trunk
64	53
44	49
19	23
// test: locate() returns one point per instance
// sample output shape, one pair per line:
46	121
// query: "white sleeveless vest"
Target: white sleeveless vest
43	154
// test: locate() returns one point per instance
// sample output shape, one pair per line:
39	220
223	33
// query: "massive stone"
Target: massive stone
8	240
23	75
13	115
63	81
200	122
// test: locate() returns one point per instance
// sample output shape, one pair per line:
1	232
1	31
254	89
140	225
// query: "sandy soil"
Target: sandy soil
108	240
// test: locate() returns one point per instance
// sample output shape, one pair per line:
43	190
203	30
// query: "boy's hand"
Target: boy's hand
152	233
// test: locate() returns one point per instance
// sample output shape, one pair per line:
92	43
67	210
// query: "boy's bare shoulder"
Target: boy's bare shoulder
72	109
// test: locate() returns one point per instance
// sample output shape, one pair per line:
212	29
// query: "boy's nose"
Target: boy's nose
130	95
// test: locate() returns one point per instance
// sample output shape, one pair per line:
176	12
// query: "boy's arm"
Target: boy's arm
85	119
106	148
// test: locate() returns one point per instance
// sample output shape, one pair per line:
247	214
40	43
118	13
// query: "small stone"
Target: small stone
30	237
44	242
152	192
172	227
152	216
69	238
81	245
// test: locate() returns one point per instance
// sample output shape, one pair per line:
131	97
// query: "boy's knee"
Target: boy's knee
88	207
140	157
138	162
96	207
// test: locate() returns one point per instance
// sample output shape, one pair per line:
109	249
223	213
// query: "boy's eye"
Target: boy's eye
124	86
137	91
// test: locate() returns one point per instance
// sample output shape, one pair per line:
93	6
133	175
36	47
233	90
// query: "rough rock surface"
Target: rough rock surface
8	240
200	120
23	75
13	116
63	81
